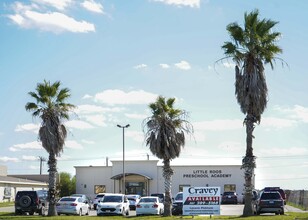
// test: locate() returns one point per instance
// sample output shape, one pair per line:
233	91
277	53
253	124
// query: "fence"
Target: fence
298	197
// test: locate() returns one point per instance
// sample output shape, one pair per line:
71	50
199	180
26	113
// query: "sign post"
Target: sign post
201	201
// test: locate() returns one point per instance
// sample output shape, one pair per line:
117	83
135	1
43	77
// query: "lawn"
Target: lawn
289	215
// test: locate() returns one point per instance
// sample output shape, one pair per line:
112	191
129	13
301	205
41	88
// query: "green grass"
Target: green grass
287	216
6	204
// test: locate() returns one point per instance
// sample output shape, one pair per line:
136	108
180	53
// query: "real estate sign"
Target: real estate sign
201	200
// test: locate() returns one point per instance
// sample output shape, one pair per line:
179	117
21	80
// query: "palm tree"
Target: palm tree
51	107
251	48
164	134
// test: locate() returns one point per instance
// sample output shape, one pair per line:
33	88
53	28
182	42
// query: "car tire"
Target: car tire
88	211
31	213
80	212
18	212
25	201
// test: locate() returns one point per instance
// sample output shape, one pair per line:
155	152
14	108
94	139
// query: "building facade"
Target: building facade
145	177
9	185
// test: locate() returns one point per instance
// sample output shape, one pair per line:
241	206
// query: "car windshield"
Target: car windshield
148	200
112	199
99	196
179	196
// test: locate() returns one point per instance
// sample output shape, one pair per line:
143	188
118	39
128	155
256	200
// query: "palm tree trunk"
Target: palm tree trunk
248	164
167	174
52	163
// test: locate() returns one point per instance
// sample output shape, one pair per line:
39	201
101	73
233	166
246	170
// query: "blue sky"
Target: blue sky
118	56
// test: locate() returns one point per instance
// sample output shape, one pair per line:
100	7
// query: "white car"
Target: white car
97	198
72	205
150	205
113	204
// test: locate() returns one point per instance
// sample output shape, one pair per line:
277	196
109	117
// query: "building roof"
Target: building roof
19	181
120	176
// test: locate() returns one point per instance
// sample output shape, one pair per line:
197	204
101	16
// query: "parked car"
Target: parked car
97	198
161	196
133	201
85	197
150	205
113	204
270	202
31	202
229	197
177	205
281	191
73	205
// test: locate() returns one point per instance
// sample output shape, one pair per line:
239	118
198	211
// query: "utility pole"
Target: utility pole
41	162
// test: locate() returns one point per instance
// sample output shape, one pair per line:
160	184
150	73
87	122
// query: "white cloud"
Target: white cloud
58	4
231	146
35	145
278	151
28	127
297	112
73	145
9	159
219	125
98	120
86	96
183	65
277	122
136	116
31	158
78	124
92	109
164	66
140	66
27	16
135	135
229	65
92	6
113	97
179	3
87	141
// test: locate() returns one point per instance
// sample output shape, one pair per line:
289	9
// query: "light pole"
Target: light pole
123	185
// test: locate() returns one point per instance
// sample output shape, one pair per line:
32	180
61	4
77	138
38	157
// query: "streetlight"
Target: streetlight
123	185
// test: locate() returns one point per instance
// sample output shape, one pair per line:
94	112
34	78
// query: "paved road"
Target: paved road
224	210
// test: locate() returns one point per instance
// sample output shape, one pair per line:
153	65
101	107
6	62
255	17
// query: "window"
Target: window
99	189
183	185
229	188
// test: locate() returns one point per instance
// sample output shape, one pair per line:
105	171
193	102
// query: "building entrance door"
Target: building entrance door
136	188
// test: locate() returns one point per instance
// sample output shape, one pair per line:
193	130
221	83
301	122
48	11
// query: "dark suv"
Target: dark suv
31	202
270	202
177	205
229	197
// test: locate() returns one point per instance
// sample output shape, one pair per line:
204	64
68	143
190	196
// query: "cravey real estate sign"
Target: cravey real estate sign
201	200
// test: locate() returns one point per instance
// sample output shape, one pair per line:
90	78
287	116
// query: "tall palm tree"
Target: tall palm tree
165	135
51	107
251	47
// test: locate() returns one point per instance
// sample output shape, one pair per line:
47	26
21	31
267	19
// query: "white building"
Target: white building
9	185
145	177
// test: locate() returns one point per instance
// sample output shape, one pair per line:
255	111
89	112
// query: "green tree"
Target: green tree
165	135
51	107
251	47
65	184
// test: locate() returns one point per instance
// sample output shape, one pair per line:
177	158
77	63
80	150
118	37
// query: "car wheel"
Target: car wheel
80	212
18	212
31	213
127	212
25	201
87	211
